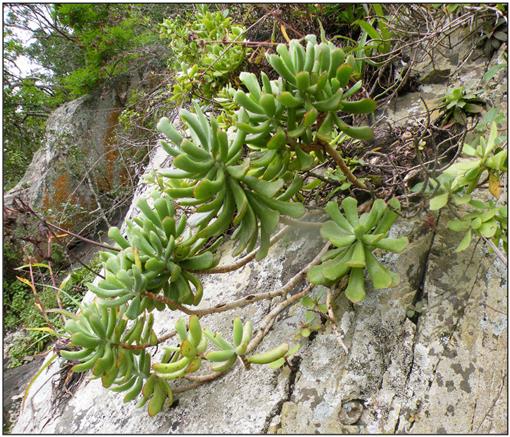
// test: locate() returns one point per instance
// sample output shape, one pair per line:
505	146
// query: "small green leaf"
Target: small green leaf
277	364
315	275
294	349
24	266
44	329
468	150
488	229
187	349
438	202
310	316
472	108
323	308
305	332
307	302
491	72
463	245
458	225
355	290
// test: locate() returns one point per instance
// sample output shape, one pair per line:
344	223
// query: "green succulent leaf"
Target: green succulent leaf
438	202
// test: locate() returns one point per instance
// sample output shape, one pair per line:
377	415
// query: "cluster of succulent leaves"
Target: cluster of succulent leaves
278	121
457	104
242	180
200	62
157	256
107	345
316	311
455	187
355	238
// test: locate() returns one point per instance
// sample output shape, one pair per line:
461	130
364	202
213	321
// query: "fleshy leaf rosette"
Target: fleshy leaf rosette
355	238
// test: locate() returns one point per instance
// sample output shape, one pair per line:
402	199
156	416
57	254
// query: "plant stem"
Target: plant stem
331	316
169	302
271	317
245	260
252	298
343	166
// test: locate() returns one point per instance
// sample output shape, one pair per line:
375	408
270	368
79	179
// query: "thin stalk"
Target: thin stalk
343	166
252	298
246	259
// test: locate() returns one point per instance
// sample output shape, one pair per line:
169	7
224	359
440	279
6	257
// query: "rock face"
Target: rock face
78	160
428	373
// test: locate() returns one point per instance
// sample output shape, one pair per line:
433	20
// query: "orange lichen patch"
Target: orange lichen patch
61	189
60	193
111	153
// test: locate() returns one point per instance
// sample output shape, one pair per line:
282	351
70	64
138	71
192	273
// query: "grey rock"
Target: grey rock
400	375
79	159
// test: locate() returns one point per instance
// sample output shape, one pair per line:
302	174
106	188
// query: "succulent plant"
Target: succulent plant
187	357
156	256
459	180
104	337
485	219
211	176
355	238
457	103
303	103
246	182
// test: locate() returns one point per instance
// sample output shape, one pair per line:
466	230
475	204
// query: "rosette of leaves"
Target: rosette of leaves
104	338
210	175
312	88
459	180
485	220
457	104
355	238
155	256
487	157
285	116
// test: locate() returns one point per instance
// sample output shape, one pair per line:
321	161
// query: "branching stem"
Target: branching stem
343	166
247	300
246	259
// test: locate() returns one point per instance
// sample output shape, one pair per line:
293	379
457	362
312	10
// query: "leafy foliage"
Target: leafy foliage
100	43
494	32
457	104
156	256
21	312
455	187
212	177
246	179
202	61
355	238
111	38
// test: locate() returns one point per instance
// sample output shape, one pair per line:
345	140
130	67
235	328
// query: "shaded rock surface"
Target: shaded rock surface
13	390
79	159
